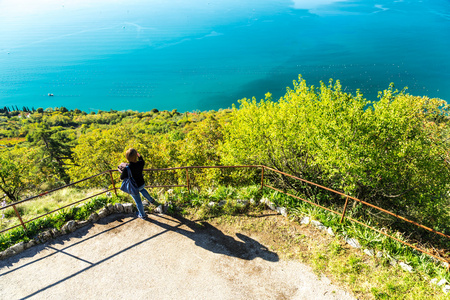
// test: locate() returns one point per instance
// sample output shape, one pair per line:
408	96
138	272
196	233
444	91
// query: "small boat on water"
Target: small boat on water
50	95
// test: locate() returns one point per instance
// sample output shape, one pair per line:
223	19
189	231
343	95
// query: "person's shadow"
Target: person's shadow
212	239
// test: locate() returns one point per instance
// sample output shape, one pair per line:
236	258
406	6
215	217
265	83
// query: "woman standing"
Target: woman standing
136	165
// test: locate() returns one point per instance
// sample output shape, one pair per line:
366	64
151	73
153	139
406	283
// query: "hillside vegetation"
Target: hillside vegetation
392	152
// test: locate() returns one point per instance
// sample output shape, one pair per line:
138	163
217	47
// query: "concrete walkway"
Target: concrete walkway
122	257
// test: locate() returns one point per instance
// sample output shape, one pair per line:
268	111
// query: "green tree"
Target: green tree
54	149
17	173
99	150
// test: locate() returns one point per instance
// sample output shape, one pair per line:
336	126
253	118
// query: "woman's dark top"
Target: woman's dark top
136	171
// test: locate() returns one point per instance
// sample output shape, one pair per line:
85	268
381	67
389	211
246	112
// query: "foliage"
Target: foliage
17	172
54	147
392	153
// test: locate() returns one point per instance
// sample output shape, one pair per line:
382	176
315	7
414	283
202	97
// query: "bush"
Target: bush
392	153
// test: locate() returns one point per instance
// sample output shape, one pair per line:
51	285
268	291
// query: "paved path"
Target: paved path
122	257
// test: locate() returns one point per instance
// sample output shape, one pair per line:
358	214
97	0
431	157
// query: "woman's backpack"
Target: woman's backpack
129	186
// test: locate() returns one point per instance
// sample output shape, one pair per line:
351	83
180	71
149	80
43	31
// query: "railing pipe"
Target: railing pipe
289	194
403	242
345	208
188	186
187	181
363	202
55	210
20	218
262	177
113	183
54	190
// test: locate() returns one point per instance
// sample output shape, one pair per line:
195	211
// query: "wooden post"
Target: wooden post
114	185
20	218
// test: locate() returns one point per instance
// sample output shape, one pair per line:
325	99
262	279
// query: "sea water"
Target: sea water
207	54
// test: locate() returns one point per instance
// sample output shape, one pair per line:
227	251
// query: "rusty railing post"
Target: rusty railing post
187	180
262	178
20	218
113	183
345	208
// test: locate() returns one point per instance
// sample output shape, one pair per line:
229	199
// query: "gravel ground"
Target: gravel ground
123	257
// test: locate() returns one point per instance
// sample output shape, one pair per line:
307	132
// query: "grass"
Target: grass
43	205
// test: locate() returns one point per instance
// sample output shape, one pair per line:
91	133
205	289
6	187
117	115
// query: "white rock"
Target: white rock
17	248
7	253
212	204
330	231
353	242
434	281
316	223
44	236
94	217
446	289
272	206
128	208
56	232
69	227
110	208
145	203
393	262
159	209
30	244
305	220
369	252
166	206
252	201
379	254
119	207
103	212
406	267
222	203
242	202
82	223
442	282
282	211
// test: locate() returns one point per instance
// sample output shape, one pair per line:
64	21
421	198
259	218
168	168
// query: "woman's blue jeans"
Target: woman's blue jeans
137	200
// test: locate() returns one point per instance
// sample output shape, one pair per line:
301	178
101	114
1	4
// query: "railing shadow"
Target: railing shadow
205	235
59	240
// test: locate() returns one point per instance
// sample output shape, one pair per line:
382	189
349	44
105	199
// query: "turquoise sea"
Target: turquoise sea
207	54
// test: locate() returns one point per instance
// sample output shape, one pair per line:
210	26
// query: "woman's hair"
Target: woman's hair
131	155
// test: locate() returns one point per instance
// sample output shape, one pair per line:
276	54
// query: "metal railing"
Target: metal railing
188	186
